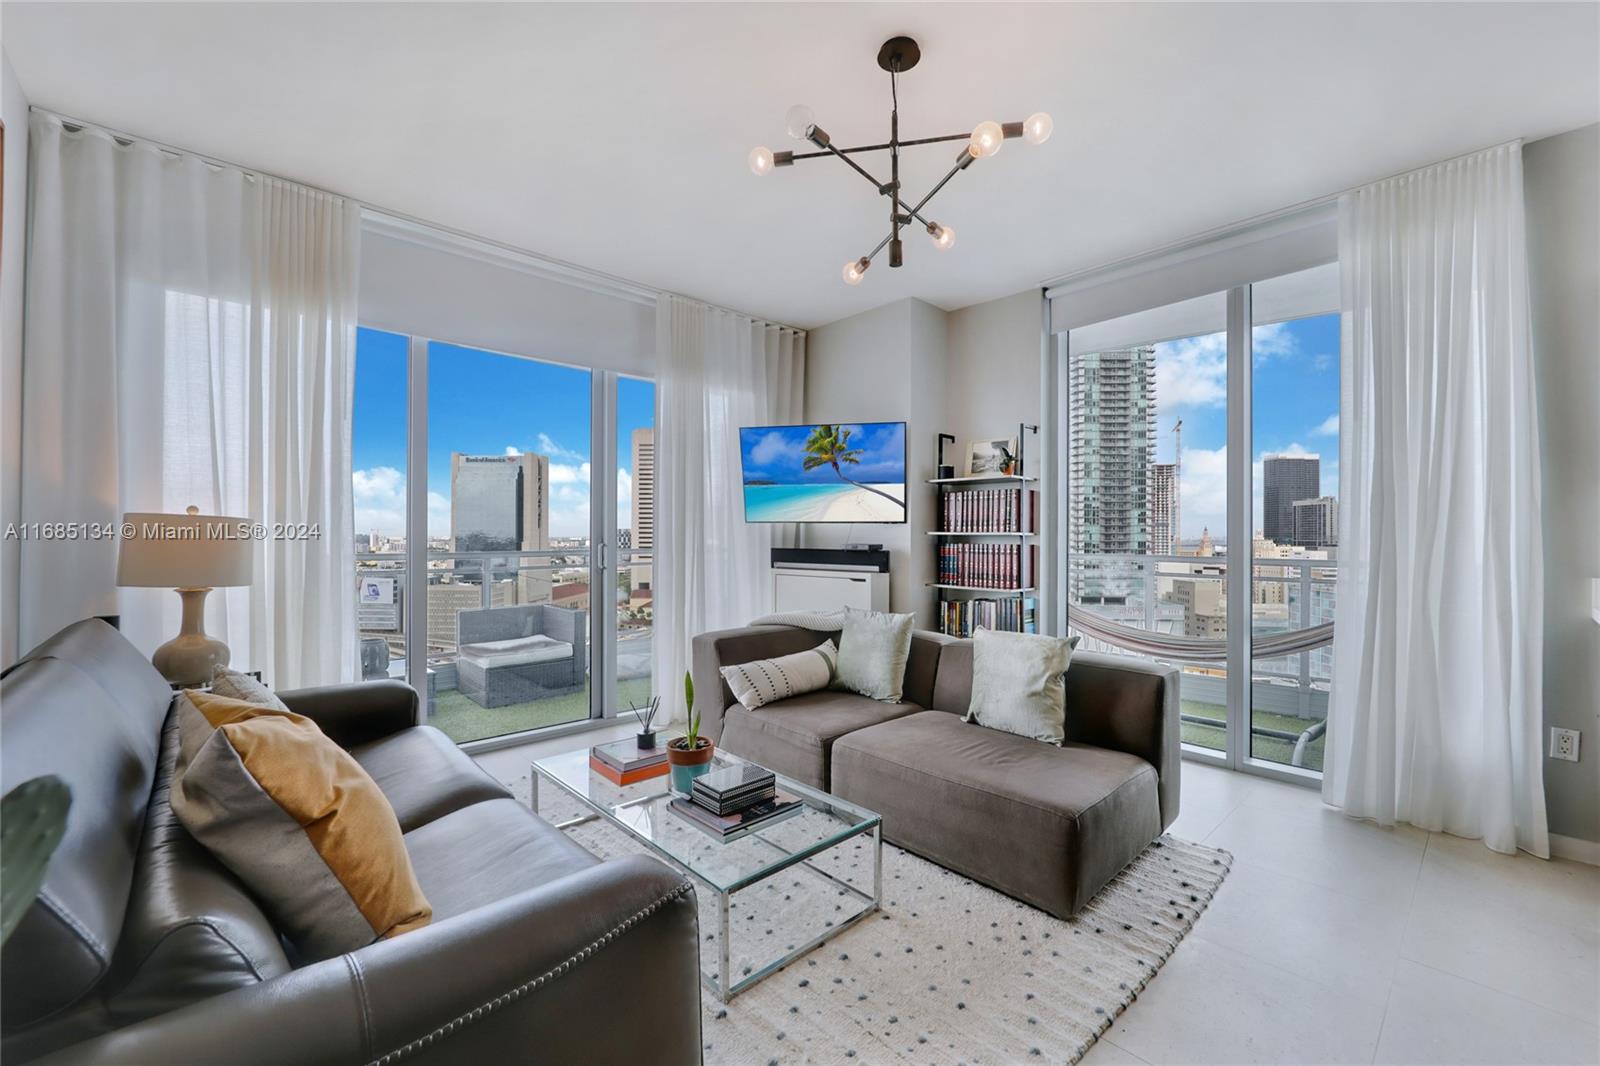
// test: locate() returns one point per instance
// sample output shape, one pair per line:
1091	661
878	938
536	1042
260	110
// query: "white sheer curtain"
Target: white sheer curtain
716	372
1434	715
189	339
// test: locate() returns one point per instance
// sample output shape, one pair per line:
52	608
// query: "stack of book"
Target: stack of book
734	800
622	762
989	566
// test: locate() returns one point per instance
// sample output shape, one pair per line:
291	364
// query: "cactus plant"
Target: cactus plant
33	819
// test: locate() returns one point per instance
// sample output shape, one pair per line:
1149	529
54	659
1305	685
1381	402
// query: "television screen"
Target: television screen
853	472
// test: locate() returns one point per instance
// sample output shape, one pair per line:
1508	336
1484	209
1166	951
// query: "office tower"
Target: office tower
501	503
1112	440
1285	479
1164	508
1316	522
644	502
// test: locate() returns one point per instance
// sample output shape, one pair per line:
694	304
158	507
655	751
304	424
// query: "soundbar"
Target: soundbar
830	559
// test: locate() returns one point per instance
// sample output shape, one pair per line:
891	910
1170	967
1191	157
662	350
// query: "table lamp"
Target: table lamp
192	554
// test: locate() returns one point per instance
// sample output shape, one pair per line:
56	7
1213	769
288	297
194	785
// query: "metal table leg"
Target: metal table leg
724	948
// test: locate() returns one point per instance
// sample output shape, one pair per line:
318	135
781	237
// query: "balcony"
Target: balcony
509	635
1174	608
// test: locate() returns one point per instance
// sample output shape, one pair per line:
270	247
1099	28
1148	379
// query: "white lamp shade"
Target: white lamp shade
175	551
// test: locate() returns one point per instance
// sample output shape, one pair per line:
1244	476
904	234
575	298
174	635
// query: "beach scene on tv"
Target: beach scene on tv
825	473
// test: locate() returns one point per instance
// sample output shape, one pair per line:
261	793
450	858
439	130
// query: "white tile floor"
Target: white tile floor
1338	941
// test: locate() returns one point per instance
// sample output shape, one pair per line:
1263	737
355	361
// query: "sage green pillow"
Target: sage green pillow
873	650
1019	683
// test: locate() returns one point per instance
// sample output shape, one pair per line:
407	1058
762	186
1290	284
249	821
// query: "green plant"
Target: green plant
691	732
33	819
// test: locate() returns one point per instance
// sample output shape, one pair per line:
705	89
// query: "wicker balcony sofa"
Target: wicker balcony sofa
1048	825
532	651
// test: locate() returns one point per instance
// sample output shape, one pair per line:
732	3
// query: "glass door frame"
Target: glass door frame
1240	569
602	544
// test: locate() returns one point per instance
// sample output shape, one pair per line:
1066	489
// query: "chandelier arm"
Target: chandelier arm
961	164
879	247
857	167
882	147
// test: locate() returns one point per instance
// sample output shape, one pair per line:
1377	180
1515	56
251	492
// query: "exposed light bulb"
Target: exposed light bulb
799	120
943	236
1038	127
986	140
854	270
760	161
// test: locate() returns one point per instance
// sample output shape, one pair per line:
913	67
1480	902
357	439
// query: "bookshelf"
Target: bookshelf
985	553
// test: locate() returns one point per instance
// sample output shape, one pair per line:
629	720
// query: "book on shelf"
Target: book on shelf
1014	614
988	566
1006	510
780	806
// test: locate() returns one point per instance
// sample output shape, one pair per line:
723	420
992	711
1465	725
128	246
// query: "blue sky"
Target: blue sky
1295	408
775	453
482	403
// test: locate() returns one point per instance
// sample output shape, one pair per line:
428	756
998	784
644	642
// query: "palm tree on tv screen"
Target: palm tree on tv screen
831	445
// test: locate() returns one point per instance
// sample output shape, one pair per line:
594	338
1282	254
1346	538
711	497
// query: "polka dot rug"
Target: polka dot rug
948	972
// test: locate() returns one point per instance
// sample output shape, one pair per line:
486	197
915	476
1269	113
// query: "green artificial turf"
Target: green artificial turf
462	720
1268	748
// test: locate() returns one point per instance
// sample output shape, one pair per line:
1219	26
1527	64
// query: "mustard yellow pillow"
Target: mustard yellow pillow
298	820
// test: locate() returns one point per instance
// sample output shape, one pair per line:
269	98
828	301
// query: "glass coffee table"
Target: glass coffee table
823	824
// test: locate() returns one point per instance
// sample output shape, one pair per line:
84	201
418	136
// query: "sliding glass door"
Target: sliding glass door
490	481
1201	522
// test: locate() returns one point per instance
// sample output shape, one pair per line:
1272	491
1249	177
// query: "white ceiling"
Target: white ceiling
615	136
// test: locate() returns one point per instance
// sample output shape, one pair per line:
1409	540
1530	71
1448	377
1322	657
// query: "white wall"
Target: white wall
971	372
13	234
1561	178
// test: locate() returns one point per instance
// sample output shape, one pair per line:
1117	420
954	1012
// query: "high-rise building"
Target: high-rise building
1113	428
1164	508
1316	522
1285	479
499	502
502	503
644	501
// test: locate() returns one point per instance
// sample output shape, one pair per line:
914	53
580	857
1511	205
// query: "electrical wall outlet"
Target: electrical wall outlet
1564	744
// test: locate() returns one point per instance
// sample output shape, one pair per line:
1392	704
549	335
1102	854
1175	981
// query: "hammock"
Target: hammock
1195	649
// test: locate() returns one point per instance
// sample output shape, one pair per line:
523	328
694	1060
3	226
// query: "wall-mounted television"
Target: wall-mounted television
848	472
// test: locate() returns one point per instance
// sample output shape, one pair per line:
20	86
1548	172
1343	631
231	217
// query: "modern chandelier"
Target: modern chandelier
898	55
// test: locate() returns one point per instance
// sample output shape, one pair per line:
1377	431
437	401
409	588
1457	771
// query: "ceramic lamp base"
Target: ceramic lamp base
190	657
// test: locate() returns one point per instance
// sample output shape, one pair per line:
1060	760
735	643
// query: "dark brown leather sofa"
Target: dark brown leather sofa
1049	825
143	949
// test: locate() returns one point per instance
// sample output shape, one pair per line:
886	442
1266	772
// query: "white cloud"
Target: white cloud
771	448
1295	450
1273	340
548	447
624	500
1192	372
379	495
1329	427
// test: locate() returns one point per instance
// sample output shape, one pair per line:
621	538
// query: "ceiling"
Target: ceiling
615	136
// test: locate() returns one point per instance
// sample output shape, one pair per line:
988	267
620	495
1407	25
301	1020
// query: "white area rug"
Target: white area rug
948	972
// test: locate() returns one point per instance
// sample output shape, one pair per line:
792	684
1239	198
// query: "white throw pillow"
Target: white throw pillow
765	681
1018	683
873	650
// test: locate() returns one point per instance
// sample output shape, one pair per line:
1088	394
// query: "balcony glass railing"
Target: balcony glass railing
1174	608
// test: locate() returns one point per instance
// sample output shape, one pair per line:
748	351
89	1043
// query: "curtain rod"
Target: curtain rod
1254	222
558	266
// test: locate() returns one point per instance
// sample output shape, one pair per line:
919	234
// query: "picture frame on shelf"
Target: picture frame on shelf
991	456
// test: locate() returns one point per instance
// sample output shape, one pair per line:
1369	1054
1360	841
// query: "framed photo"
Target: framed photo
996	455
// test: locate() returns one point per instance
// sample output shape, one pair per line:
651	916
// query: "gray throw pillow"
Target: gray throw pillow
1018	683
241	686
873	649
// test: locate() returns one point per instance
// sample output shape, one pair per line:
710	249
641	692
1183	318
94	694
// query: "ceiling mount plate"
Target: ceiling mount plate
899	54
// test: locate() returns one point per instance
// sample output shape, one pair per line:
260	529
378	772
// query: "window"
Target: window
1201	434
507	452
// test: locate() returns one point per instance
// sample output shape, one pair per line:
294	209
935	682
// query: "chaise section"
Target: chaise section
795	736
1048	825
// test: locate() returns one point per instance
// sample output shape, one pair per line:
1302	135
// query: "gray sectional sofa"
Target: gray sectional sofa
1049	825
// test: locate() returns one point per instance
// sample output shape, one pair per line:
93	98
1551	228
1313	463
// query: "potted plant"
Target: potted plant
690	754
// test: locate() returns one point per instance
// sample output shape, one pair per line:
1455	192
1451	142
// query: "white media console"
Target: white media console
826	580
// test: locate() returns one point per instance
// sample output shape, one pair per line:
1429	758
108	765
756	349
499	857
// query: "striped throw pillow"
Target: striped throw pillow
765	681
